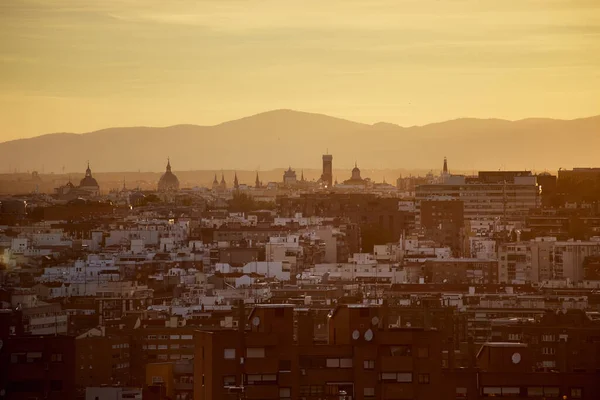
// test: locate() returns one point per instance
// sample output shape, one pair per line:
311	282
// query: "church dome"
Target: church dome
88	181
168	181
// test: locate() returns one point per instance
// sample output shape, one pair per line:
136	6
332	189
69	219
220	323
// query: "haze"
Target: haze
77	66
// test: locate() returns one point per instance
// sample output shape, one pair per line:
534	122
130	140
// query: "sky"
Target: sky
79	66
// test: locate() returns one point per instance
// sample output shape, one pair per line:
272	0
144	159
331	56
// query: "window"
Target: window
369	364
345	363
151	347
492	391
388	376
369	392
174	337
285	393
34	357
255	352
405	377
576	393
514	336
162	346
157	379
547	338
56	386
285	365
174	346
535	391
163	337
256	379
501	391
229	354
396	351
461	392
186	337
424	378
151	337
162	357
548	350
333	363
551	392
228	380
423	352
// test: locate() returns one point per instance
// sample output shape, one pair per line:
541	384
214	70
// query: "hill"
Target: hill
279	138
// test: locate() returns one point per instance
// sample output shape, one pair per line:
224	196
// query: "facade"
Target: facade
514	263
37	367
461	270
486	198
362	360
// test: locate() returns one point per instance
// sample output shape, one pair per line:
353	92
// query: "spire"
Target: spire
88	171
302	176
235	180
257	182
222	177
215	181
168	164
445	170
124	187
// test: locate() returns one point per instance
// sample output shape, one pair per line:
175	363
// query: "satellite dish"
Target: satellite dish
516	358
355	335
256	321
298	276
375	320
369	335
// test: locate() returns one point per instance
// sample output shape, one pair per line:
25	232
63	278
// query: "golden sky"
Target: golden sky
82	65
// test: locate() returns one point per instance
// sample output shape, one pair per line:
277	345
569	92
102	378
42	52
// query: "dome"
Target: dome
88	181
168	181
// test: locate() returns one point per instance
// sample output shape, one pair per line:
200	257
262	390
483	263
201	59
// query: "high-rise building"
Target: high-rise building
327	176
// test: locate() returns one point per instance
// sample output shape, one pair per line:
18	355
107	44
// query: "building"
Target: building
514	263
88	184
168	181
175	378
461	270
102	359
559	341
498	197
355	179
37	367
443	222
327	175
364	358
289	177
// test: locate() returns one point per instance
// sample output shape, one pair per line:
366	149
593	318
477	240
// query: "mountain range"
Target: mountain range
280	138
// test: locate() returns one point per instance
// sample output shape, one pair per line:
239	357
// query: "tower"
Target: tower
445	173
257	182
327	176
236	184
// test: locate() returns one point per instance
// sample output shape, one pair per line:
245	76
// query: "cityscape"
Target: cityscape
437	286
310	200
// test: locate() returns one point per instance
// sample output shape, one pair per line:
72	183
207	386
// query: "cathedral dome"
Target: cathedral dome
88	181
168	181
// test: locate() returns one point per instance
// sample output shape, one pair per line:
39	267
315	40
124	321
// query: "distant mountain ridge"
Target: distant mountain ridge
280	138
